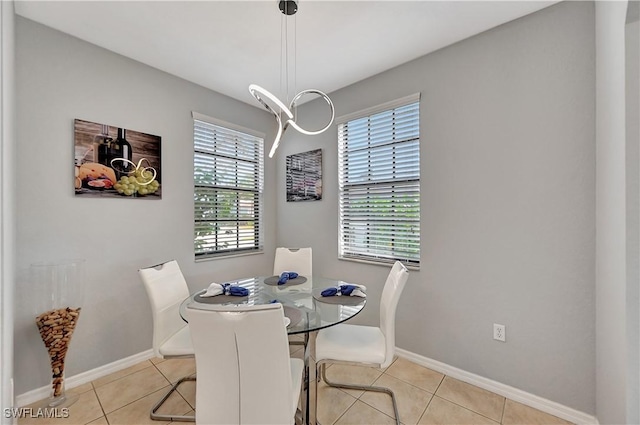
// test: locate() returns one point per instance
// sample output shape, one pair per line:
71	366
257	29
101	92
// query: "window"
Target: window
379	183
228	176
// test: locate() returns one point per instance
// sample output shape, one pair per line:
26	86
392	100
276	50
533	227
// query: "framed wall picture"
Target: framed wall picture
304	176
115	162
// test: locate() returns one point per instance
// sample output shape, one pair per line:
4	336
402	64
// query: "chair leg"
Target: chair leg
321	370
181	418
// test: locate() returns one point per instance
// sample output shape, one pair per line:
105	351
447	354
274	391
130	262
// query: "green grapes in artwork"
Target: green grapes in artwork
141	182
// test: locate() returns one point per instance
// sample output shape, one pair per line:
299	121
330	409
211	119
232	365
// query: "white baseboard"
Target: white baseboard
84	377
528	399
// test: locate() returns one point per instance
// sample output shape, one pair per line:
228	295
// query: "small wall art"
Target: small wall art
115	162
304	176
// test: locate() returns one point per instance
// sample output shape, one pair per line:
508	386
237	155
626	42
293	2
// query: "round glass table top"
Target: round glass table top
306	309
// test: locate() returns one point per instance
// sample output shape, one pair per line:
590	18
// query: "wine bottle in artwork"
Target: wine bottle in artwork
122	149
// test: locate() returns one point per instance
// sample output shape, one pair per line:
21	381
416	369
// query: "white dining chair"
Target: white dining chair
167	288
245	373
367	345
297	260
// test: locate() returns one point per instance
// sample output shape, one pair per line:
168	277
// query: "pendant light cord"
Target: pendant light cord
295	62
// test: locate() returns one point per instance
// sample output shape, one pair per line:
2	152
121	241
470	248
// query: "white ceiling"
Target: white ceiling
226	45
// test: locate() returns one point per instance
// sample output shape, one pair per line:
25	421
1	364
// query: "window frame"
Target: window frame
362	252
257	189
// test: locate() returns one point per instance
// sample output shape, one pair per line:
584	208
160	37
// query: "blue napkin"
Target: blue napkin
348	290
225	289
238	291
285	276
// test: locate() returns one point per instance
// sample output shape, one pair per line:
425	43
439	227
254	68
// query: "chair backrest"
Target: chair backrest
166	289
242	361
297	260
393	287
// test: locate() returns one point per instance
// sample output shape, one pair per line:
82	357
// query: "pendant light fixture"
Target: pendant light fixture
285	115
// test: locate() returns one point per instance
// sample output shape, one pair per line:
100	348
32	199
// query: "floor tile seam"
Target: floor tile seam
415	386
186	401
407	382
345	412
137	399
168	384
355	399
365	383
439	384
466	408
426	407
99	403
504	399
479	389
342	390
92	420
122	377
163	375
504	407
372	406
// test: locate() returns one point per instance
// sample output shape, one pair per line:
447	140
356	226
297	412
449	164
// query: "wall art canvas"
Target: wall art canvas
304	176
115	162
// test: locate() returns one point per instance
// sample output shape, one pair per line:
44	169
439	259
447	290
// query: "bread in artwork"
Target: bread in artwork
93	170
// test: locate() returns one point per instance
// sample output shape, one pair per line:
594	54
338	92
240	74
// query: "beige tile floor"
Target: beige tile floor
424	397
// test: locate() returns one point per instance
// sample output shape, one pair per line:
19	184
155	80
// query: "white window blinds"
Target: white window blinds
379	185
228	178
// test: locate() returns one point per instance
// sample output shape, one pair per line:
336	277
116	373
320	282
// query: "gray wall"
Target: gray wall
508	203
60	78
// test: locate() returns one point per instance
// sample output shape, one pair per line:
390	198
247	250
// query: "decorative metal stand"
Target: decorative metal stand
60	293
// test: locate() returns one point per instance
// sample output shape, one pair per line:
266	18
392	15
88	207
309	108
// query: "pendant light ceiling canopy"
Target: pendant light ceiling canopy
285	115
288	7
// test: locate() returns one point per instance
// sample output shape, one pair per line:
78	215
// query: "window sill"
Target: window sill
226	256
378	263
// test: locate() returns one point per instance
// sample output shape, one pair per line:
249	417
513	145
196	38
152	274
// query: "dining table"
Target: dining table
303	304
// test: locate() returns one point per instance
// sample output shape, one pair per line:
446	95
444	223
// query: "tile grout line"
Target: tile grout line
365	392
373	407
93	388
504	407
122	377
343	413
471	410
426	407
439	384
133	401
384	372
177	390
409	383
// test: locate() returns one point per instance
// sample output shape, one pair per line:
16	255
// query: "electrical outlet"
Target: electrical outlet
499	332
